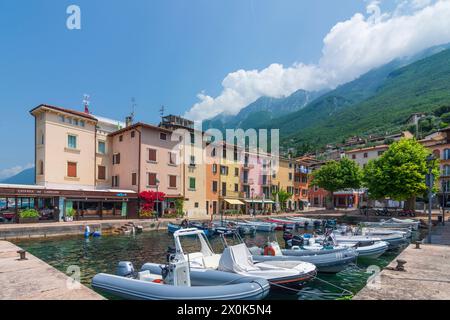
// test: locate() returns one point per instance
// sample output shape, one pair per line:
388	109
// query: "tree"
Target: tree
335	176
399	174
283	197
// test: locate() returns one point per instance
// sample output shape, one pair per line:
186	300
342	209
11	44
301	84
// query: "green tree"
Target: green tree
283	197
399	174
335	176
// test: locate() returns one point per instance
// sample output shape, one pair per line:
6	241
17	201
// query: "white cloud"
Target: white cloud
351	48
9	172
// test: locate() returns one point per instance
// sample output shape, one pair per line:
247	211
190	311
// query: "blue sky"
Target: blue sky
162	52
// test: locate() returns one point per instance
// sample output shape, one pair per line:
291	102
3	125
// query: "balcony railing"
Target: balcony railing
248	181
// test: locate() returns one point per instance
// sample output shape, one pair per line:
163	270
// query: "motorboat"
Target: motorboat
238	259
394	240
326	260
372	231
241	228
172	228
177	282
395	223
368	250
259	225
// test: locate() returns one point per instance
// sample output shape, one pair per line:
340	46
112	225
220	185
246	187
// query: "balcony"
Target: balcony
248	182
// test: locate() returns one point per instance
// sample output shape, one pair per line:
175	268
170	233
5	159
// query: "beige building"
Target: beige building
364	155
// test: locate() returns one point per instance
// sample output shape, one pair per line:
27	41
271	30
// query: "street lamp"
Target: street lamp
157	199
430	183
253	204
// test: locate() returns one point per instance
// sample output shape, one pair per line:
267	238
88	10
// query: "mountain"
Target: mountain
378	102
309	120
262	110
24	177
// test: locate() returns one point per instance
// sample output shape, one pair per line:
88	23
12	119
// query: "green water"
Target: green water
97	255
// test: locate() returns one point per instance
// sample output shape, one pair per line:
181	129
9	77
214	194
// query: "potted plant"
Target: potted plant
28	216
70	213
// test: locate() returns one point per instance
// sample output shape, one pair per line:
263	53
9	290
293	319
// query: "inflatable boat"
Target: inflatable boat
177	282
326	261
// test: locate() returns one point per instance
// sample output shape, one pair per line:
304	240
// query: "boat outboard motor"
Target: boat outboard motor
297	241
170	254
287	237
125	269
176	273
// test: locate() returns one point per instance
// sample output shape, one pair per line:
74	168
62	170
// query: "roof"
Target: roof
383	146
73	112
140	124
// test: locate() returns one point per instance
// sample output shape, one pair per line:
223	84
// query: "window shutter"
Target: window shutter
133	179
173	181
152	154
72	169
101	172
152	179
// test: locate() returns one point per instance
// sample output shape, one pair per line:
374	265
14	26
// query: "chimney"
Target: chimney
128	121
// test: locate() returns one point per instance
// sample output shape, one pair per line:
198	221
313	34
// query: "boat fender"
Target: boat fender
161	281
269	251
87	232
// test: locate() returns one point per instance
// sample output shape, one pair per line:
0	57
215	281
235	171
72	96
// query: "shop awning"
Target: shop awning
259	201
233	201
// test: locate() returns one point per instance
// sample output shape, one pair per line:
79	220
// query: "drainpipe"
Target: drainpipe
95	158
139	169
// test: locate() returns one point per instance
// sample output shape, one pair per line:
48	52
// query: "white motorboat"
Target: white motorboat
238	259
394	240
259	225
395	223
368	250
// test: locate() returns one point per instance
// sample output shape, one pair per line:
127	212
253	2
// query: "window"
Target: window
224	189
162	136
152	155
191	183
446	171
380	153
214	168
133	134
82	123
172	181
101	173
192	161
42	138
101	147
236	187
290	165
133	179
213	152
192	138
72	169
75	122
224	170
236	172
290	176
172	158
365	155
41	167
121	138
69	120
62	119
115	181
196	204
224	153
72	141
353	156
152	179
214	186
116	158
447	154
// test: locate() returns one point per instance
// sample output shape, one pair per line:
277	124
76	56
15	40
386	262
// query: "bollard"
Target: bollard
418	244
400	265
22	254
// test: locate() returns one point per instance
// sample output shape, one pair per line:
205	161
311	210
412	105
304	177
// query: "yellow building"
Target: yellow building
283	171
230	193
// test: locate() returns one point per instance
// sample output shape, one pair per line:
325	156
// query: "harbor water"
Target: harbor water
102	254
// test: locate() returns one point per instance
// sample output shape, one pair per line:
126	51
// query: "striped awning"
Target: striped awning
233	201
259	201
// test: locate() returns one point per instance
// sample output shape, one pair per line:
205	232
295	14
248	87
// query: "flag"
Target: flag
86	109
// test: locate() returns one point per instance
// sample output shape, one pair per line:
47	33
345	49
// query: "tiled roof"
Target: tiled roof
74	112
140	124
368	149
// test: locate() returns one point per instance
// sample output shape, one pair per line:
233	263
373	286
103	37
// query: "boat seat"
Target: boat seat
147	276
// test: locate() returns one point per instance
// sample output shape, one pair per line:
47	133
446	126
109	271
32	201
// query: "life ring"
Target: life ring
269	251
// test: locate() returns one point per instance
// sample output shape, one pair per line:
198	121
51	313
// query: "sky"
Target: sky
198	58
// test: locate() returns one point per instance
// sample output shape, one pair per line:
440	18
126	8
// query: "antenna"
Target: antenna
86	103
161	111
133	107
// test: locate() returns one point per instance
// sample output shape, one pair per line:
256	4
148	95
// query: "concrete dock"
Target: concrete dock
33	279
426	276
